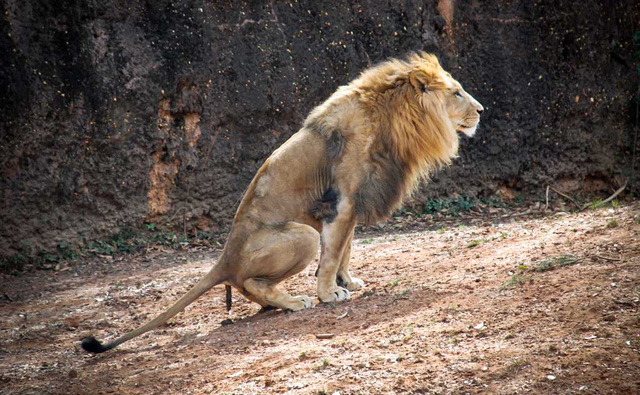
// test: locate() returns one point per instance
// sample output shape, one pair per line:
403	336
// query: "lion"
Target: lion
355	159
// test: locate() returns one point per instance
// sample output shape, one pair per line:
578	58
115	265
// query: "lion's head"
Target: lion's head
419	108
433	85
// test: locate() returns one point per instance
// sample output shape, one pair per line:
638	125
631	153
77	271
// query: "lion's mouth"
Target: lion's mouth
467	129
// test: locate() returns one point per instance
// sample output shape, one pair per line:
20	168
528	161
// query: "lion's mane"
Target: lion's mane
409	135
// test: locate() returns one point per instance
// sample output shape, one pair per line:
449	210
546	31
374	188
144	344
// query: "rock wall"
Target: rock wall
115	113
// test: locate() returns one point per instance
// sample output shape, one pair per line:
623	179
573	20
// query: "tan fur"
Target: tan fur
358	155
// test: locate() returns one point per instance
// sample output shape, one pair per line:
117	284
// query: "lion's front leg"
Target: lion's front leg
344	278
336	236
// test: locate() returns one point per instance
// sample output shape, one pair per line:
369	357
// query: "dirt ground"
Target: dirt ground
522	304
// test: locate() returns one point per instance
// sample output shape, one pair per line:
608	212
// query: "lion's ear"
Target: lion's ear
419	80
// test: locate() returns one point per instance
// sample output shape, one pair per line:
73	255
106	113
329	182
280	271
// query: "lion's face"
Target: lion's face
438	91
464	111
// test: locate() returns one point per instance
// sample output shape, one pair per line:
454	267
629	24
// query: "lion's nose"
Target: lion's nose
480	111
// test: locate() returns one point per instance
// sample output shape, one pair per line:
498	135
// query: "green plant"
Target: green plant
125	241
598	203
555	262
323	365
13	262
474	243
66	252
493	202
595	203
448	207
515	281
517	366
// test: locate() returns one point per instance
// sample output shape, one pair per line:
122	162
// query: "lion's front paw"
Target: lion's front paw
335	294
301	303
355	284
348	282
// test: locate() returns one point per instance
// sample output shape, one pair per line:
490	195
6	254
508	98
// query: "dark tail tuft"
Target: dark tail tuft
228	298
92	345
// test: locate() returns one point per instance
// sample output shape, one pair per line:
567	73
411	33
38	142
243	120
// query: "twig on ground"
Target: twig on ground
573	262
522	214
606	258
546	206
567	197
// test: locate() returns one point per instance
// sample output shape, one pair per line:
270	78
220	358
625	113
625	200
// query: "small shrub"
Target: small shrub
474	243
555	262
325	363
515	281
449	207
516	366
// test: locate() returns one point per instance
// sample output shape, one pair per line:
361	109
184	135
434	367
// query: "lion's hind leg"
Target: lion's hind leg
269	295
274	254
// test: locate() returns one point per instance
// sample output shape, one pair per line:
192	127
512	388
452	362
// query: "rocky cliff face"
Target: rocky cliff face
115	113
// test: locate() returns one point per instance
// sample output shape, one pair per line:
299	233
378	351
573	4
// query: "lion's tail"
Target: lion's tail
210	280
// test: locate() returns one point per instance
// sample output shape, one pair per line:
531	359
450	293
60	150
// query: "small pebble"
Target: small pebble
480	326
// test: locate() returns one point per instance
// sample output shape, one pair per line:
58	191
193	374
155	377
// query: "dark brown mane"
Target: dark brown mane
382	189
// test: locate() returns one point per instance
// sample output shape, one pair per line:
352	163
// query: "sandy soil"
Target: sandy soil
462	309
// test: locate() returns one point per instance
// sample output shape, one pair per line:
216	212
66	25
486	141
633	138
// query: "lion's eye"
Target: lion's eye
458	94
